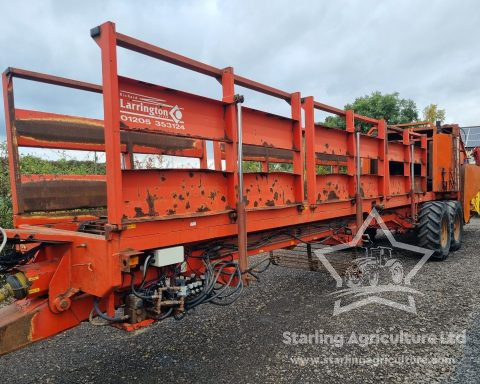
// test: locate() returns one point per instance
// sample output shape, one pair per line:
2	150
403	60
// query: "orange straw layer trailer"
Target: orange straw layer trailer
135	245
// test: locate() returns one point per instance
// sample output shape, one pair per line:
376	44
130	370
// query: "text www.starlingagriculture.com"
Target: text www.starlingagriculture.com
372	360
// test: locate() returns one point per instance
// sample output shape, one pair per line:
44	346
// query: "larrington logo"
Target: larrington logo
146	110
362	277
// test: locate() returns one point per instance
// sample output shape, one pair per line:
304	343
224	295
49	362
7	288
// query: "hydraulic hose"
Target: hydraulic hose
104	316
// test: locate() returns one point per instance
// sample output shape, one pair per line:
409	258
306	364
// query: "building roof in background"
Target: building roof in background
471	136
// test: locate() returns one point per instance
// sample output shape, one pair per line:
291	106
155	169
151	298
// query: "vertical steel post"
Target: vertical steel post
239	100
241	213
105	37
12	146
412	180
311	175
358	193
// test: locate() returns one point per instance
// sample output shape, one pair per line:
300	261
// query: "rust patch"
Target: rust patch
89	131
255	204
212	195
180	197
223	198
16	333
56	195
171	212
64	130
332	196
151	204
203	208
187	206
252	152
270	203
275	196
139	212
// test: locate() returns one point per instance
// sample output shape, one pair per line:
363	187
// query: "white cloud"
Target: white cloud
336	51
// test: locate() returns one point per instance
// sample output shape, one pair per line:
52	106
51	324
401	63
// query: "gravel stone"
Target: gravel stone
243	342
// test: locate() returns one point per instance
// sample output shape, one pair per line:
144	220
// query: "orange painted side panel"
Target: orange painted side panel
260	128
369	186
442	162
369	147
395	152
268	190
397	185
330	141
149	107
332	188
169	193
471	186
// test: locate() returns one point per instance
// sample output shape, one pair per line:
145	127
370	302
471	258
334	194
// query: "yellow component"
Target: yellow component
134	261
131	226
34	290
476	203
14	286
33	278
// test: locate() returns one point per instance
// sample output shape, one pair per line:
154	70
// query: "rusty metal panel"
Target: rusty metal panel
267	190
369	186
164	194
63	192
396	151
332	188
326	159
398	185
38	128
153	108
260	153
255	153
50	130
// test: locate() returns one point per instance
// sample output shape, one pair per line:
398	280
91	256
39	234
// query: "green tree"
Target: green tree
390	107
432	113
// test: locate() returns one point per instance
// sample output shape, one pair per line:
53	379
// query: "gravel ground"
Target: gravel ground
245	343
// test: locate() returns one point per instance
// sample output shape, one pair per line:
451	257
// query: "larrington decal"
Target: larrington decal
141	109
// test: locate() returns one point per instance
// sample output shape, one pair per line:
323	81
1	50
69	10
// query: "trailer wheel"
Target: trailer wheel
456	217
434	228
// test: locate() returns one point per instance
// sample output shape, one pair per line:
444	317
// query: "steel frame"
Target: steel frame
156	208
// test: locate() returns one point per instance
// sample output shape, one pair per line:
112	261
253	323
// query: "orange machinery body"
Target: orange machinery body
132	210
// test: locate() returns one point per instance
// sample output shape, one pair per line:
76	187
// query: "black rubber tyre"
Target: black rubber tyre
456	218
434	228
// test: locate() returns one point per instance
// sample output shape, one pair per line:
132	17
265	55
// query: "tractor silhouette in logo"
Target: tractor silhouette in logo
377	263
